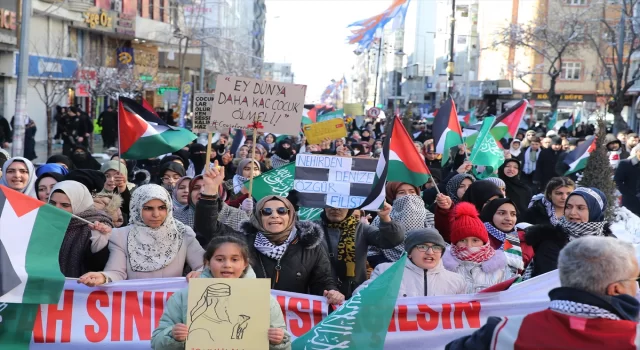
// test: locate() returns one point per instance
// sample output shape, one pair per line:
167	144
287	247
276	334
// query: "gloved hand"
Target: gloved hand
247	205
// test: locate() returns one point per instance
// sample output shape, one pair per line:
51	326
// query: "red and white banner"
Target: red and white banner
123	315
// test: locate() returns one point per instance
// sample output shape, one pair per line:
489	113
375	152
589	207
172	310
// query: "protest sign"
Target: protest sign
243	103
228	313
353	109
338	182
279	182
122	315
331	129
202	109
330	115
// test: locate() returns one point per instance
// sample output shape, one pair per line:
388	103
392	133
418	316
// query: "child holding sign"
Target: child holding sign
226	257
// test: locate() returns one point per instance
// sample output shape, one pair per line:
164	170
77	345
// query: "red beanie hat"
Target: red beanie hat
467	223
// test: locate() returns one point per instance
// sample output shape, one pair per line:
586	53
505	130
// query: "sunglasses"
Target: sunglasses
280	210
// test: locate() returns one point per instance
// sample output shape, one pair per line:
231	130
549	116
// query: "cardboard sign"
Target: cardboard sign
332	129
228	313
353	109
269	106
202	110
330	181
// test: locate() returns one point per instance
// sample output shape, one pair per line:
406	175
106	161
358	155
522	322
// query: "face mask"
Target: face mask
80	156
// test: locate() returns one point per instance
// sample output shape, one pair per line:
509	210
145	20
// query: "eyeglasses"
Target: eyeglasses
280	210
425	248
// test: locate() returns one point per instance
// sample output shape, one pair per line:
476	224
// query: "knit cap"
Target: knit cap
595	199
467	223
497	181
421	236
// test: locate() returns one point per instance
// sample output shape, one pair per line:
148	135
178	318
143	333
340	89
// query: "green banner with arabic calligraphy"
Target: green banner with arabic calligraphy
279	182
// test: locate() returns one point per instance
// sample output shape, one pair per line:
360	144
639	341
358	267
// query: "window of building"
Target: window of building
151	9
571	70
576	2
140	8
161	10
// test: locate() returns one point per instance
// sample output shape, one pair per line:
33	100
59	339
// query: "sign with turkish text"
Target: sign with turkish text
202	109
331	129
244	103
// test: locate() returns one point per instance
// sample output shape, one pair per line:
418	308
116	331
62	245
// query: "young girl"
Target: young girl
225	257
471	254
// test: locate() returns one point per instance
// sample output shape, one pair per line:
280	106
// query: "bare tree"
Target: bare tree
50	90
617	43
554	38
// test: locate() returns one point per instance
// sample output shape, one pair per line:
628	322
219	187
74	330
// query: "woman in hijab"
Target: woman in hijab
458	185
548	208
235	186
180	194
515	189
261	154
583	216
51	168
84	247
408	211
116	182
366	136
269	142
82	158
283	154
153	245
499	218
169	174
61	159
44	185
19	174
197	156
288	251
515	148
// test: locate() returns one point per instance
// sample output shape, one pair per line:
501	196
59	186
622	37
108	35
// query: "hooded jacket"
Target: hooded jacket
175	311
417	282
304	267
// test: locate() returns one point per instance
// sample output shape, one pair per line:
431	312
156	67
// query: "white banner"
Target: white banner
123	315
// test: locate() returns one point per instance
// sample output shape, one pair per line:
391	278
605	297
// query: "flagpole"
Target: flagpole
119	137
253	157
435	184
207	163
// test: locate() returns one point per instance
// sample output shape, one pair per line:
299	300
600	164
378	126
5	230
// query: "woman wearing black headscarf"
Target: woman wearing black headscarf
198	156
283	154
480	193
516	189
82	158
169	175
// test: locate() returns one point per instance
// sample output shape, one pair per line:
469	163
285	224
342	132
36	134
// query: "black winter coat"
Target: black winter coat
547	241
626	178
546	166
536	215
304	267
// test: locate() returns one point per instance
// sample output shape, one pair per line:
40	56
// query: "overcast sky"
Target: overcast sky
311	35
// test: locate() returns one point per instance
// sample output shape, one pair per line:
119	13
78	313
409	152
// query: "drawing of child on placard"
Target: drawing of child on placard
211	314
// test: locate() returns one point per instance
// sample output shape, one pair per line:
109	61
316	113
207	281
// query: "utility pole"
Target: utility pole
451	64
375	92
17	149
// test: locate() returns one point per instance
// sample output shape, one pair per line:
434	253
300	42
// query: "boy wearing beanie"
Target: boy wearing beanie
424	274
471	254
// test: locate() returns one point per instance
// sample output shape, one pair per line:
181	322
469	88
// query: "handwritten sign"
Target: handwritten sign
331	181
332	129
202	109
243	103
228	313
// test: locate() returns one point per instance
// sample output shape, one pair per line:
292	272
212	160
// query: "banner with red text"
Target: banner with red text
123	315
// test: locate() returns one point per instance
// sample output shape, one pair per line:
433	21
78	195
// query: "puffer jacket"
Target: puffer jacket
386	236
417	282
479	276
175	311
304	267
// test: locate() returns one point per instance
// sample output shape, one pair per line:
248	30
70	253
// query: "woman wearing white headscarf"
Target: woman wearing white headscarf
84	247
153	245
18	173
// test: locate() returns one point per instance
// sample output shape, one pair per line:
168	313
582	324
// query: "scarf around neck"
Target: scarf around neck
152	249
270	250
346	246
510	245
238	183
480	255
581	229
77	242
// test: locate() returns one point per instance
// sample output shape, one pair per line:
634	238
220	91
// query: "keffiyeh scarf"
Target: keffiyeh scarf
346	246
477	255
411	214
551	210
277	162
270	250
581	229
581	310
510	246
238	183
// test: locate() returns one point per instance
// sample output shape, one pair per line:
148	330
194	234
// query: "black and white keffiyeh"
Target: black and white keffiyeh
581	310
551	210
581	229
277	162
238	183
270	250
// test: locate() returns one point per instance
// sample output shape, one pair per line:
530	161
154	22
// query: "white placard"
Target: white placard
202	111
241	103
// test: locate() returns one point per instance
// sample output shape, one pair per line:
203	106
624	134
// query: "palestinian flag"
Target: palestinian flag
143	135
446	129
508	123
552	120
569	124
577	159
311	112
399	161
